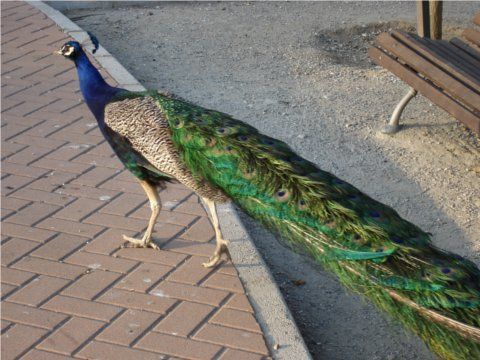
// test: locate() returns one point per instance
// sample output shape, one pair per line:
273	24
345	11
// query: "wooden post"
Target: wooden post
423	18
436	19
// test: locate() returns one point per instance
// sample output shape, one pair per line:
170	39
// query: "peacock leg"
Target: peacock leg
155	205
221	244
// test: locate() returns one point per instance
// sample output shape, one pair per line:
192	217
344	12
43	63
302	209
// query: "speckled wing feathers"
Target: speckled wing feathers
140	121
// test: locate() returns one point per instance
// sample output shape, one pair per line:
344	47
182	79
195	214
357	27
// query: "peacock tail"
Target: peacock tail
371	249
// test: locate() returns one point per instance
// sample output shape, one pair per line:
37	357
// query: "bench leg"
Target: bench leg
392	127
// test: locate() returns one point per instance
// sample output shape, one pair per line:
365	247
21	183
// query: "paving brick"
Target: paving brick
83	308
12	203
103	351
148	255
52	180
20	120
38	290
29	155
190	293
79	209
36	354
143	277
15	277
133	300
14	249
116	221
43	196
6	290
12	183
177	346
18	339
191	272
98	261
237	319
190	247
10	130
71	335
27	315
48	267
224	282
70	227
239	302
123	186
91	284
22	170
66	152
9	148
4	325
87	192
33	213
232	354
95	176
166	216
125	203
59	247
64	166
239	339
201	231
26	232
126	328
108	241
95	159
184	319
174	194
29	139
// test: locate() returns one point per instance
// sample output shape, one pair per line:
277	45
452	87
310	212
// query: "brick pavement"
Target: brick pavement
68	290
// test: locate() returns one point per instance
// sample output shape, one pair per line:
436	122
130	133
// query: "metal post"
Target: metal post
393	126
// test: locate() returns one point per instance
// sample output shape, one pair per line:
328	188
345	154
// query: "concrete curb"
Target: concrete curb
281	332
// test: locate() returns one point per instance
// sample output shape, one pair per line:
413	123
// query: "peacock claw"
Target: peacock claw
139	243
216	258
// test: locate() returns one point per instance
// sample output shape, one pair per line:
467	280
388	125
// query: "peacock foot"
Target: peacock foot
220	249
145	242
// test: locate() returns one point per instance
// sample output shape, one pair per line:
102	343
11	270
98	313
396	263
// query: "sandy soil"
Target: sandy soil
299	72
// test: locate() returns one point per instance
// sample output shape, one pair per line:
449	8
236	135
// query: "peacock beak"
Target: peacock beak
58	52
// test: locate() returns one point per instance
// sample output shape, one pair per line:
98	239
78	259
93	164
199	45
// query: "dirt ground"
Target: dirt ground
299	72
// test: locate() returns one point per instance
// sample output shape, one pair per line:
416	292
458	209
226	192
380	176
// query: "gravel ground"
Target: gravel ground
299	72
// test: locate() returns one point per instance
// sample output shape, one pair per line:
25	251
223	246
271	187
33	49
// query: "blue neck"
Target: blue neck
96	92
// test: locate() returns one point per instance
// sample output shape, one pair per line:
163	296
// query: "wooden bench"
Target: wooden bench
445	72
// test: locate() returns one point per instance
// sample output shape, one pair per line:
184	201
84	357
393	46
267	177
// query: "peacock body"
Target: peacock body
371	249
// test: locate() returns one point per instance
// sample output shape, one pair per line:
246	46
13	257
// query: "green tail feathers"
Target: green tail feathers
371	249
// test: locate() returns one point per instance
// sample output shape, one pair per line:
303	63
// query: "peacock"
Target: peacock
373	251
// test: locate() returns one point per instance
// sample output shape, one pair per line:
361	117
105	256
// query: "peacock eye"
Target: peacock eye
282	195
397	240
374	214
446	270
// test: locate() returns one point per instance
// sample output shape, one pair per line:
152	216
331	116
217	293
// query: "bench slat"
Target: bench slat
467	49
472	35
447	51
446	64
461	113
431	71
476	19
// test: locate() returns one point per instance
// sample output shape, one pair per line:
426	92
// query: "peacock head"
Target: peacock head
72	49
